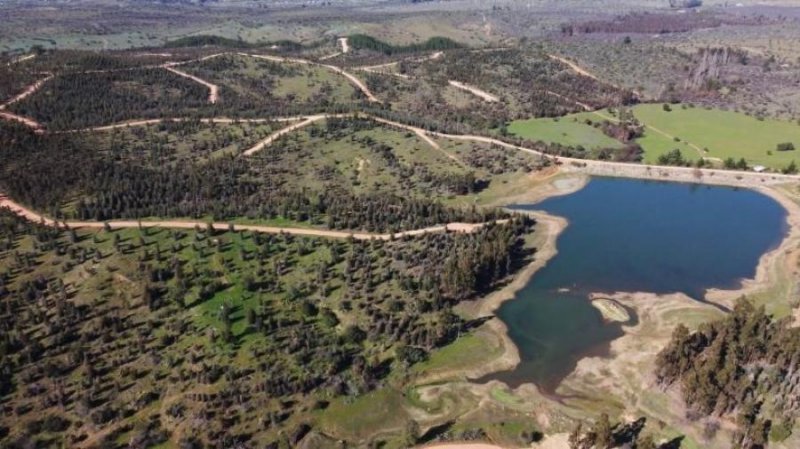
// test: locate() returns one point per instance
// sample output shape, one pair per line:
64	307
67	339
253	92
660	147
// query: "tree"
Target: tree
790	169
575	436
412	433
785	146
741	164
603	436
729	163
645	442
674	157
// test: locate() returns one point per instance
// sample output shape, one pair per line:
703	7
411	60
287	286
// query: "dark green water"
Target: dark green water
631	235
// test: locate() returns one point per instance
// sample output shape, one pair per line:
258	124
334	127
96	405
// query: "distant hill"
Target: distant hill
365	42
208	40
685	3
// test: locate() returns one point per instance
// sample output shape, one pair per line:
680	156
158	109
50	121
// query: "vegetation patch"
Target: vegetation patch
365	42
571	130
156	329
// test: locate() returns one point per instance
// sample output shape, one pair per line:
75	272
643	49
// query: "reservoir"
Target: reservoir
629	235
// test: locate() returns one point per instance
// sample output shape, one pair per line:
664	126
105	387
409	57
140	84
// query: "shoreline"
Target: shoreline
546	251
770	270
770	263
549	228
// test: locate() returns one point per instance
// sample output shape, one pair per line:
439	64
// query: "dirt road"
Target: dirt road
280	133
350	77
309	119
355	81
155	121
381	69
21	59
29	122
22	211
486	96
585	106
213	89
575	67
588	166
30	90
459	446
581	71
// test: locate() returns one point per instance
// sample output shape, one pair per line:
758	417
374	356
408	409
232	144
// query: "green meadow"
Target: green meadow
570	130
719	134
698	132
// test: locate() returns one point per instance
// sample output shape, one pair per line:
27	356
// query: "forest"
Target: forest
743	367
87	99
534	85
225	187
366	42
99	327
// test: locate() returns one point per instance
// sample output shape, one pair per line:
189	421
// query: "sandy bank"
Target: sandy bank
611	310
625	378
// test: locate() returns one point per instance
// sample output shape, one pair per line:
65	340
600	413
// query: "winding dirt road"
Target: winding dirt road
30	215
280	133
350	77
30	90
304	121
21	59
588	166
156	121
213	89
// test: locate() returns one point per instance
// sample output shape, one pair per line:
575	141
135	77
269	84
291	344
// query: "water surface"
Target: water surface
631	235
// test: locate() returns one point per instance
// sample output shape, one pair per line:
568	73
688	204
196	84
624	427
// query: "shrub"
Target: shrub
785	146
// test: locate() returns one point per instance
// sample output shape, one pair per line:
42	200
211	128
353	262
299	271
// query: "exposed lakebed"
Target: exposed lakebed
631	235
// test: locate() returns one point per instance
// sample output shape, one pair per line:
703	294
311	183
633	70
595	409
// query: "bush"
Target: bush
780	431
785	146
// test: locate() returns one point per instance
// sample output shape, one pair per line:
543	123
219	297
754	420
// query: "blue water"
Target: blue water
631	235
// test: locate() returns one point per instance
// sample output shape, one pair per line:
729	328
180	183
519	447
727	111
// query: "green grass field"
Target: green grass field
710	133
723	133
569	130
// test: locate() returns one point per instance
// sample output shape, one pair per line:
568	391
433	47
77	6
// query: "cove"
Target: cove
634	236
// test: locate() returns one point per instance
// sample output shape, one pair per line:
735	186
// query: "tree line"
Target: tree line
743	367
